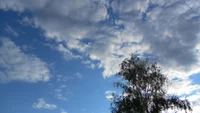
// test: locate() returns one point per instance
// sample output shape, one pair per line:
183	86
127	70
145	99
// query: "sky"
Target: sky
61	56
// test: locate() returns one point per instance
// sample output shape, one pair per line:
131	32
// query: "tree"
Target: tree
144	89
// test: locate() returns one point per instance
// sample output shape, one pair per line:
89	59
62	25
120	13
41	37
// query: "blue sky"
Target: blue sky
61	56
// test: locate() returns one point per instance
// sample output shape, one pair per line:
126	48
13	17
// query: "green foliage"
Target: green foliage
144	89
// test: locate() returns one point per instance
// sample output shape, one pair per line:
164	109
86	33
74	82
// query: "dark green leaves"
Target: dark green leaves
144	89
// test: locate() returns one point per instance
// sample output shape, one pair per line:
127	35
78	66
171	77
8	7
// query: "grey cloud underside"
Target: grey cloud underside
176	19
179	45
168	30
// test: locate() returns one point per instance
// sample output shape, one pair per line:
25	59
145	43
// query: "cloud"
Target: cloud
18	66
41	104
170	33
182	87
11	31
21	5
62	111
79	75
165	31
89	64
59	95
195	103
62	93
62	78
26	47
81	27
66	52
109	95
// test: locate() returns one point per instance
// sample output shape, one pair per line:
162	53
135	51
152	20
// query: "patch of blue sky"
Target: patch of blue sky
82	90
113	16
85	94
195	78
33	38
19	96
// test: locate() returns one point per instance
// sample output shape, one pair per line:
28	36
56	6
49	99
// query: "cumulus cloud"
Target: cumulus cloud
81	26
41	104
168	31
18	66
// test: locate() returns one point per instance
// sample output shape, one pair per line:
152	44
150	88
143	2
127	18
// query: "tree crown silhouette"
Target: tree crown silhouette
144	89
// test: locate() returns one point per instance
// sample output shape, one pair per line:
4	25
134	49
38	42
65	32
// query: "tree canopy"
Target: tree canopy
144	89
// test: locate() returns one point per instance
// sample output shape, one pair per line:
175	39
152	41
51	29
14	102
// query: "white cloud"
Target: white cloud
195	97
89	64
73	22
26	47
62	93
109	95
62	111
21	5
129	6
182	87
59	94
18	66
11	31
195	104
66	52
26	21
168	31
41	104
79	75
62	78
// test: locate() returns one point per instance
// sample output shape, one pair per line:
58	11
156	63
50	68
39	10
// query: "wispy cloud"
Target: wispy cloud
66	52
90	64
63	78
59	94
182	87
79	75
11	31
62	92
26	47
62	111
18	66
41	104
109	95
